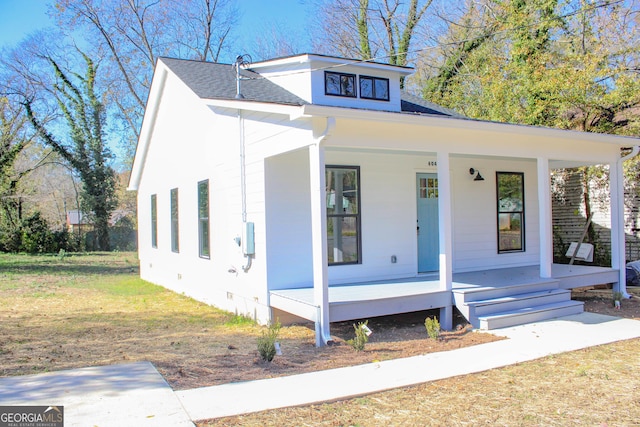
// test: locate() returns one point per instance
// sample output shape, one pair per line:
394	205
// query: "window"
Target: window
203	218
339	84
510	195
175	233
154	221
374	88
343	214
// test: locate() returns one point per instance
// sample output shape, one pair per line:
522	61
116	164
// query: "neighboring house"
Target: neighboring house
78	222
314	187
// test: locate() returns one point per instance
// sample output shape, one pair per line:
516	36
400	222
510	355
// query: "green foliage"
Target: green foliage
361	338
267	342
530	62
87	151
36	236
433	327
239	320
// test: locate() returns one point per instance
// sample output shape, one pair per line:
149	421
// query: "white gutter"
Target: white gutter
320	262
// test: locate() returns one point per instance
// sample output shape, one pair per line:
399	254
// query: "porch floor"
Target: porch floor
380	298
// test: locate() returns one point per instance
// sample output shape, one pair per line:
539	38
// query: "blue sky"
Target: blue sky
18	18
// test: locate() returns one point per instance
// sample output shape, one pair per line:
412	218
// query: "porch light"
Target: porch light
478	176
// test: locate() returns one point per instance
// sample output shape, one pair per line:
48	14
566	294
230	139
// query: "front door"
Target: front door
428	241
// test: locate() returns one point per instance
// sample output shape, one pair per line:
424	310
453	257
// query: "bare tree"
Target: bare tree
132	34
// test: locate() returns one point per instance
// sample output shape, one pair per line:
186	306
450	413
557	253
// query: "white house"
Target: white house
314	187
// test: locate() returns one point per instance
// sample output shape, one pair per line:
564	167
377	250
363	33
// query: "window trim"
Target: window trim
154	221
357	215
204	222
520	212
175	220
373	87
355	88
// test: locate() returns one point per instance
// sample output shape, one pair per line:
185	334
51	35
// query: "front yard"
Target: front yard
84	310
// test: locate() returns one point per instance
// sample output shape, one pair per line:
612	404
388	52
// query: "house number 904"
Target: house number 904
432	163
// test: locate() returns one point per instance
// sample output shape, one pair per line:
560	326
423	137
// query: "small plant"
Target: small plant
617	299
433	327
361	337
267	342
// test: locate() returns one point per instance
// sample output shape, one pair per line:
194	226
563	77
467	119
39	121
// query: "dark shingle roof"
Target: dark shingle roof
211	80
218	81
413	104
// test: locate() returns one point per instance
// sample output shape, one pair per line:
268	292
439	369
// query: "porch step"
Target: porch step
531	314
519	301
491	307
489	292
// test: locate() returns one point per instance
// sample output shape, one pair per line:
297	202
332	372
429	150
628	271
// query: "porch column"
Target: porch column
544	212
618	259
445	235
319	242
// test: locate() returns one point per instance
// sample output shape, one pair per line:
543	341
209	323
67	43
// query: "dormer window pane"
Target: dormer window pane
382	89
374	88
366	87
340	84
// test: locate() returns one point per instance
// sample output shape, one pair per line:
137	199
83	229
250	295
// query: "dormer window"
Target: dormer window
374	88
340	84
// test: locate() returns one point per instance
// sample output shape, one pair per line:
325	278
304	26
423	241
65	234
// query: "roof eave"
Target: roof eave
148	124
463	123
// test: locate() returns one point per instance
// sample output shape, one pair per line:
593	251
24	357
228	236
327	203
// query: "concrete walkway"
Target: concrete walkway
132	394
136	395
526	342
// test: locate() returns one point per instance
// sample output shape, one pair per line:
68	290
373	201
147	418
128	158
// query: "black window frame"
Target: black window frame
501	211
204	230
341	77
175	220
154	221
357	215
373	87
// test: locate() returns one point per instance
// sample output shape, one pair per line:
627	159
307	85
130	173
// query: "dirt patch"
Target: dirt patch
599	300
392	337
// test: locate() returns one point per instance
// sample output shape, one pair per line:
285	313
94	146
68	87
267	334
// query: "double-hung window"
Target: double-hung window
154	221
510	195
343	214
175	232
203	219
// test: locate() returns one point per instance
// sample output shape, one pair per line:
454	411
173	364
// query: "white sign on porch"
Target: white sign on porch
585	252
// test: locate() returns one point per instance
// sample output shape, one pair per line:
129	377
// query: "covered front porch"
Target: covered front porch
470	290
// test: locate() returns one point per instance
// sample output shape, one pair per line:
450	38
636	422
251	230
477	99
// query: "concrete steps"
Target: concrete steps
502	306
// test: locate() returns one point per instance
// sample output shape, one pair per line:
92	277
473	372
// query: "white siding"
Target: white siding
475	245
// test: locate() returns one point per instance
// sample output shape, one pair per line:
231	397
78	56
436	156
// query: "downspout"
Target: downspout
318	233
623	285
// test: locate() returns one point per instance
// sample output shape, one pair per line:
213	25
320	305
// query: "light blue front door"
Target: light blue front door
428	242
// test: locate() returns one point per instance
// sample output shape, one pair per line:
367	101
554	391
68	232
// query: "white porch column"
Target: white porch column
445	235
618	259
319	242
544	212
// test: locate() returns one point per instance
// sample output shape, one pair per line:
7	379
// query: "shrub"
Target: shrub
433	327
361	337
267	342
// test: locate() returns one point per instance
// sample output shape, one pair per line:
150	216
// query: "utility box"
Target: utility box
248	240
